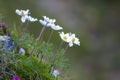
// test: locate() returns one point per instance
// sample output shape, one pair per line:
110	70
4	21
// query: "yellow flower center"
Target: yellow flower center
22	13
73	39
65	38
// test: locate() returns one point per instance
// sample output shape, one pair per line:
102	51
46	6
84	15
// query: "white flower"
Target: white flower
2	38
65	37
46	18
74	40
43	22
22	51
22	12
70	39
55	73
47	22
24	18
56	27
29	18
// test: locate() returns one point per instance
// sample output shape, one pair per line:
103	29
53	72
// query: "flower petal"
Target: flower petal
23	18
43	22
18	12
70	44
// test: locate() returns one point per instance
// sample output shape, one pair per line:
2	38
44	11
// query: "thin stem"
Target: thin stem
27	26
66	48
60	45
33	47
50	36
53	68
21	27
15	27
41	33
49	40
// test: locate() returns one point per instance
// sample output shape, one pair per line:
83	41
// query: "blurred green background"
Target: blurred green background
95	22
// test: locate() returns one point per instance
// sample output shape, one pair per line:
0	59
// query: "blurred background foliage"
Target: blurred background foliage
95	22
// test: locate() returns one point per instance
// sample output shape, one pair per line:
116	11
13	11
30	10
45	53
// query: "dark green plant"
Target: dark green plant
35	64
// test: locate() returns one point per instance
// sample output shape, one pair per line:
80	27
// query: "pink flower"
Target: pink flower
16	78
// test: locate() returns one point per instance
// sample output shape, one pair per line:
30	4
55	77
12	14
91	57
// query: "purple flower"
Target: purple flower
2	24
16	78
8	43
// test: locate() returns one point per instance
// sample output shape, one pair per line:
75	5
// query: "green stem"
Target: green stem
50	36
41	33
27	26
60	46
67	46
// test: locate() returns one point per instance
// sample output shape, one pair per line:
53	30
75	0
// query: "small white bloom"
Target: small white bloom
2	38
74	40
47	22
29	18
52	21
70	39
22	51
65	37
22	12
55	73
56	27
43	22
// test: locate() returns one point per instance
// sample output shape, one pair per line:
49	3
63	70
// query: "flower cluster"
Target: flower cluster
25	15
69	38
6	43
47	22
